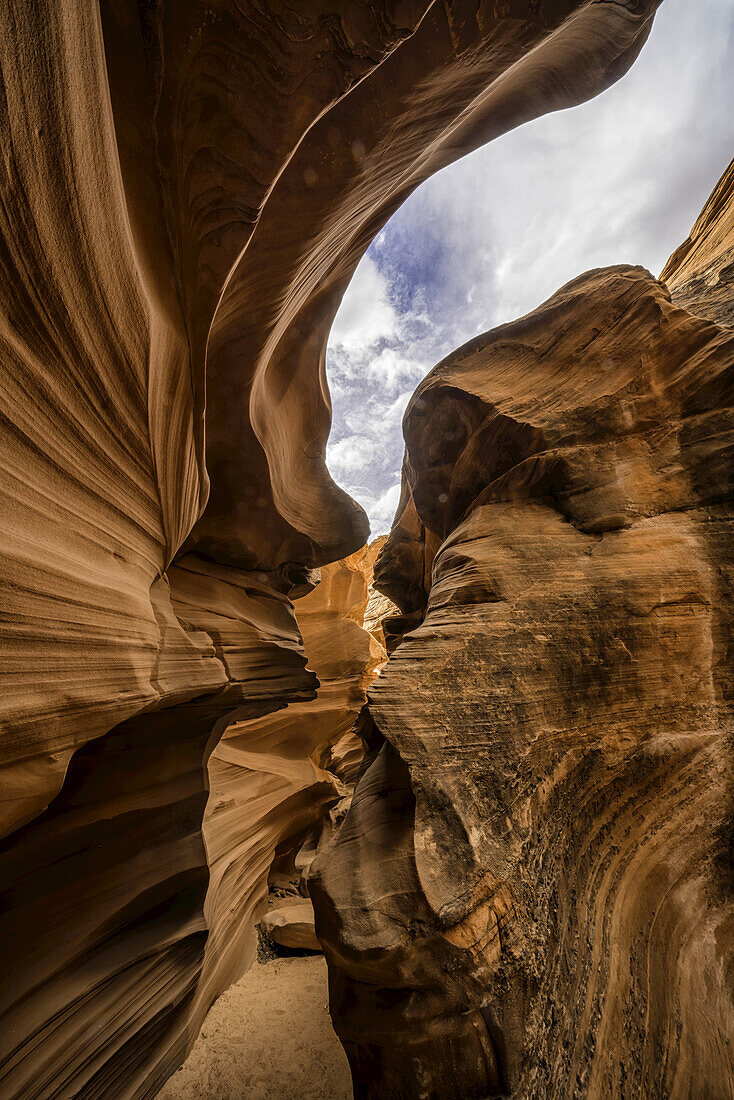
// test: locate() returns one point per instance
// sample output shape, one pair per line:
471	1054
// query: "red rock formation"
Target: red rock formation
188	188
103	914
700	273
532	891
291	925
271	778
379	606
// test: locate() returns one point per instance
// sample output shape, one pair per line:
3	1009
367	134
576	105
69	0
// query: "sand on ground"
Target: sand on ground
269	1037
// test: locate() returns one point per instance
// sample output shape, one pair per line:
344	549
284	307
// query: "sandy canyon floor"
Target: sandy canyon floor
269	1036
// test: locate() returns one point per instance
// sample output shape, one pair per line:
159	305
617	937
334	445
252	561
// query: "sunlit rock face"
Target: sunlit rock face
103	914
532	892
700	273
274	777
188	188
379	606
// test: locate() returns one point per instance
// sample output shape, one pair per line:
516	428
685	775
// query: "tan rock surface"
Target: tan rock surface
273	777
379	606
177	220
292	925
188	188
700	273
531	893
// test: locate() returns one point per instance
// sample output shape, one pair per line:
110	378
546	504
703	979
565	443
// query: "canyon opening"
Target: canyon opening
289	810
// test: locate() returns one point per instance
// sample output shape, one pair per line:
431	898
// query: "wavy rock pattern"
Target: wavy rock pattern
274	777
532	893
104	894
170	904
187	190
379	607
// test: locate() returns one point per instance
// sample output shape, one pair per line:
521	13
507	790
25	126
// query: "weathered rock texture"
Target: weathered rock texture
273	778
700	273
167	899
187	189
379	606
532	893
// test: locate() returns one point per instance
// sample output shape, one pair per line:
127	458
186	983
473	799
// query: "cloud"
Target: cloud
367	316
617	180
383	509
350	455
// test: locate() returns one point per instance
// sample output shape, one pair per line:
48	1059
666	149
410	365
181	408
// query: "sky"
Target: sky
620	179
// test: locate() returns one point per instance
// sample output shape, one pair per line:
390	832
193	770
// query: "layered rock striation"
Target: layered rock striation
700	273
153	863
274	778
532	892
187	190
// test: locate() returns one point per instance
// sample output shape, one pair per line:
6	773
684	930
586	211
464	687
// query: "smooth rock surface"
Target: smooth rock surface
292	925
273	777
173	221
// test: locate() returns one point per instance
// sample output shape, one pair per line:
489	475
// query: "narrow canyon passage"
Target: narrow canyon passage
482	763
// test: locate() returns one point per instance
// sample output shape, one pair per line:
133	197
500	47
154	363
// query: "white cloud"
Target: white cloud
394	411
366	316
383	509
349	456
393	368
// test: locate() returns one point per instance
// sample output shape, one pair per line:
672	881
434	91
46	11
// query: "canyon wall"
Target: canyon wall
187	190
272	778
532	893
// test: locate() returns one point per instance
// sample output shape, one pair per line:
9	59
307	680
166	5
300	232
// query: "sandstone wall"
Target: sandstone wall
701	271
187	190
272	777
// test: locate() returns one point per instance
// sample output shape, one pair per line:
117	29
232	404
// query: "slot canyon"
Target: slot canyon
494	749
